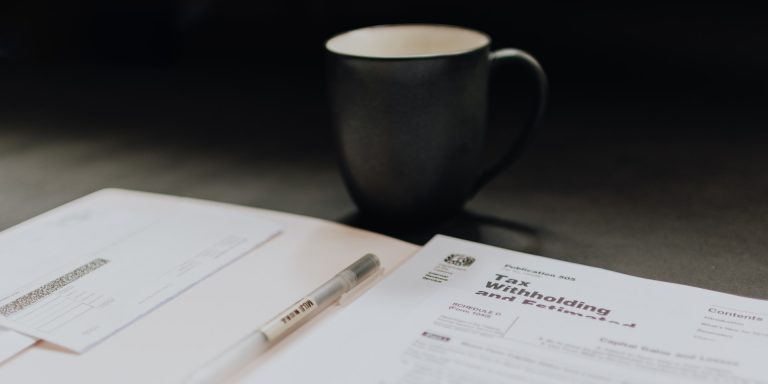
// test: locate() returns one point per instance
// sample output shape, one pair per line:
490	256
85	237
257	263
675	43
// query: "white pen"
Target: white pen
231	360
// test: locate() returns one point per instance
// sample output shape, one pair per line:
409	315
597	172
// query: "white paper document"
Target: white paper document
12	342
81	272
461	312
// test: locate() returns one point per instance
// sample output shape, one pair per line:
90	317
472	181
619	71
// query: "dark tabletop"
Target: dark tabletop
666	189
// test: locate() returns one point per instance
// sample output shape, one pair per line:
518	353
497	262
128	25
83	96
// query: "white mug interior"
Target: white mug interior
407	41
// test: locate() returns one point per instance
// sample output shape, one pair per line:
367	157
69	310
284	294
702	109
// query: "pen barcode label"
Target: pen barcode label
288	319
51	287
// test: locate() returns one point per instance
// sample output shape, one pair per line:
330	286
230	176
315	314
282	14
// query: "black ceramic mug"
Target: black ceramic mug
408	105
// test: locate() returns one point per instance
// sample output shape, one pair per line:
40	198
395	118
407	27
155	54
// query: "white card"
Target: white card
81	272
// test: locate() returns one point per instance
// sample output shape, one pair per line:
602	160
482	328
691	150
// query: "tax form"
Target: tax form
462	312
81	272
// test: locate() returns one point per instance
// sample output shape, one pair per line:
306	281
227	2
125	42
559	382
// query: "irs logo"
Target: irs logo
459	260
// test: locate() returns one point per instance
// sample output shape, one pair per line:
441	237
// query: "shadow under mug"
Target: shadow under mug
409	110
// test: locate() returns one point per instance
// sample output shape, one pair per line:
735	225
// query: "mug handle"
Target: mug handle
512	55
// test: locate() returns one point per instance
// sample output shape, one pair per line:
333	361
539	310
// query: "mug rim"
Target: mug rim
458	52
